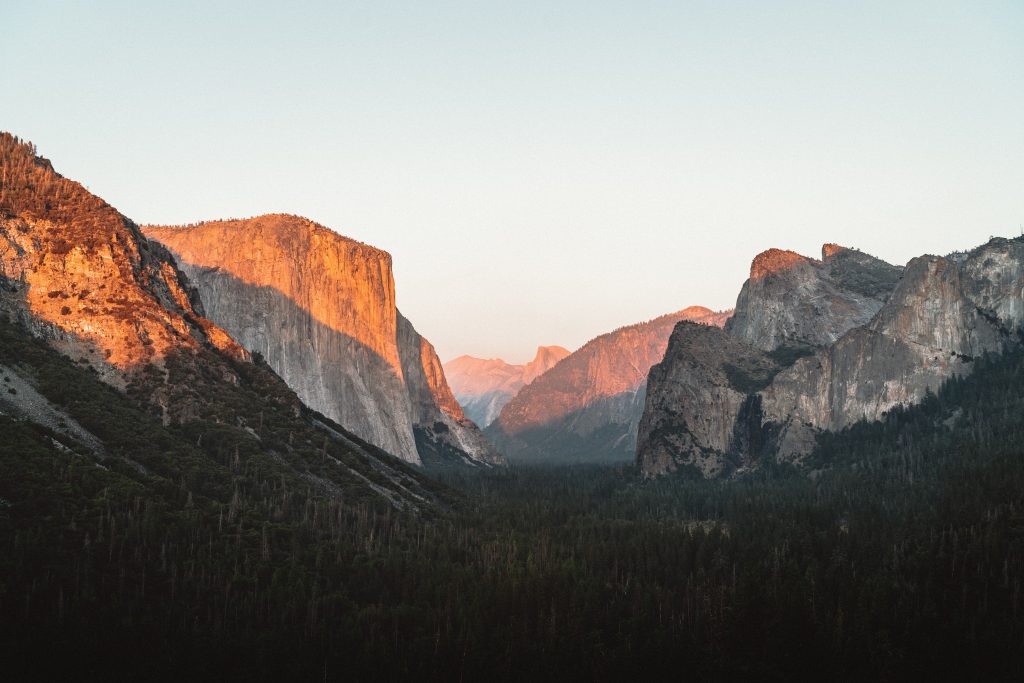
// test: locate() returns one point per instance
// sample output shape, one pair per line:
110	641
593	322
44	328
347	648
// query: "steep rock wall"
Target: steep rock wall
938	317
320	308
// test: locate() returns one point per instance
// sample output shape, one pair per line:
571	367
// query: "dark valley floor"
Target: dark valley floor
900	557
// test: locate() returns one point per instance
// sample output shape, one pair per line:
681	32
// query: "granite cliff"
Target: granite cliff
819	345
483	386
320	308
802	302
586	408
106	353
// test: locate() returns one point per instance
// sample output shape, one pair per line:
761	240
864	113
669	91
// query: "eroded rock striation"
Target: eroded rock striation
820	345
483	386
587	407
320	308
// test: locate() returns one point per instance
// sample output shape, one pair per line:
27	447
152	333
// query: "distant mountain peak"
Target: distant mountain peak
774	261
549	350
830	249
484	385
696	311
546	357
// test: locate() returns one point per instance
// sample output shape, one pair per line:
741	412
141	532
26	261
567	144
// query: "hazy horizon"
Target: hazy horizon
541	175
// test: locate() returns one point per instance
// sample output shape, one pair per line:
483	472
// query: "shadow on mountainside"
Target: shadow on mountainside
326	368
602	431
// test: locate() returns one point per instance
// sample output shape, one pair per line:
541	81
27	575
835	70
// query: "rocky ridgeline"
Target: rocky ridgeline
818	345
587	407
320	308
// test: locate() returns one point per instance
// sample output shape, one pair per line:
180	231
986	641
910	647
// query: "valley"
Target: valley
583	572
225	449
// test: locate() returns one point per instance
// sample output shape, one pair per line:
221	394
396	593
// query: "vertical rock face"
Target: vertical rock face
695	401
320	308
484	386
76	272
78	276
442	431
587	407
928	331
930	323
794	300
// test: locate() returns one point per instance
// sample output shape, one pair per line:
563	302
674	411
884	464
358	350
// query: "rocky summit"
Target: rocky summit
799	301
483	386
587	407
320	308
819	345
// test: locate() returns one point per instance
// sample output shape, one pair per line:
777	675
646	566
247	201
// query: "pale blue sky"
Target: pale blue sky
542	172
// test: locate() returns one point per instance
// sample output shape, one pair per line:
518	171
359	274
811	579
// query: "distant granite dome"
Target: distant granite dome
320	308
484	386
587	407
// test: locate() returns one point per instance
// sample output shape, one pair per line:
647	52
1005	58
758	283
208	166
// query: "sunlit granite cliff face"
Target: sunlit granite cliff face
320	308
77	273
176	406
586	407
819	345
483	386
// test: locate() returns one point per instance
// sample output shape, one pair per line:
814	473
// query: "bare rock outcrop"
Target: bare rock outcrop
929	330
320	309
935	319
441	429
696	401
799	301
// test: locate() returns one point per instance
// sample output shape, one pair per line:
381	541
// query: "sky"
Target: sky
541	172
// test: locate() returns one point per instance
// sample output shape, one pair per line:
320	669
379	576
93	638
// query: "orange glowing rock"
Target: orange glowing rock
83	276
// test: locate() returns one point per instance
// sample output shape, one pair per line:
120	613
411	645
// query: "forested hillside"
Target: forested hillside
899	556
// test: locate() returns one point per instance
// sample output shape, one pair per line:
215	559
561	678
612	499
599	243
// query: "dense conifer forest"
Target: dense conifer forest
895	553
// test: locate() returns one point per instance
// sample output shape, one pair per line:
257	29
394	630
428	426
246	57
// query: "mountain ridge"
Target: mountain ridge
847	338
484	386
119	366
586	407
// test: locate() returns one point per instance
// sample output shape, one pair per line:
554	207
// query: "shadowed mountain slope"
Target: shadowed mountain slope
587	407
